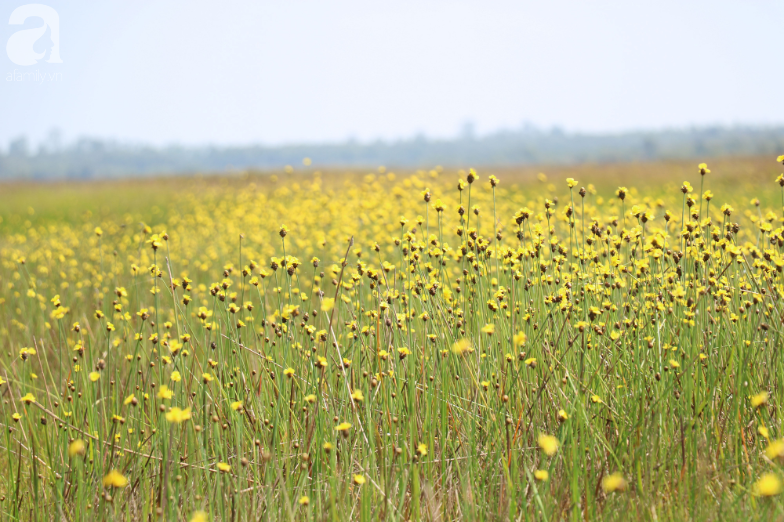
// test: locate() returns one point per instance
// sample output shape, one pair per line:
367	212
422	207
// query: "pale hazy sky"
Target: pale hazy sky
199	72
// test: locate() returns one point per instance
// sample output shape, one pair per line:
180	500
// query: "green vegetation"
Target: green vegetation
429	345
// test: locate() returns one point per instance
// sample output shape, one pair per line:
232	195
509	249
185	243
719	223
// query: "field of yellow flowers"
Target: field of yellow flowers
431	345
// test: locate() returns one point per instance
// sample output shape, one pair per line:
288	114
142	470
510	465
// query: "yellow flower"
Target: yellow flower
207	378
288	372
343	426
548	443
175	376
703	168
775	449
489	329
759	399
359	480
422	449
596	399
768	485
357	396
614	482
541	475
94	376
571	182
129	399
674	364
520	339
304	500
236	405
225	468
115	479
562	416
462	346
199	516
27	399
165	392
77	447
327	304
178	415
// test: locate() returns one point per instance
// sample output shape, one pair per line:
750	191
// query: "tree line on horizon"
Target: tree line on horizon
89	158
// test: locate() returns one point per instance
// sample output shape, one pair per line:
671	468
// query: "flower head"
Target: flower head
548	443
614	482
165	393
115	479
759	399
775	449
199	516
768	485
462	346
77	447
177	415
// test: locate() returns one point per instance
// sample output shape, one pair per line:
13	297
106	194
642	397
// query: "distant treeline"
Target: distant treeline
90	158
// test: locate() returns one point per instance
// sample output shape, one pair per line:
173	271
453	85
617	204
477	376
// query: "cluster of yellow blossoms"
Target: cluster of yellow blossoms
403	345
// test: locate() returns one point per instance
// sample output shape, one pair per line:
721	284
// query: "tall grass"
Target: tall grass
384	347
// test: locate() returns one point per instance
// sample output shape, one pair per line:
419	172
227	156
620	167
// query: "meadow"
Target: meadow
598	342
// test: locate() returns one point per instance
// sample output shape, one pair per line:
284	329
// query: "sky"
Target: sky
241	72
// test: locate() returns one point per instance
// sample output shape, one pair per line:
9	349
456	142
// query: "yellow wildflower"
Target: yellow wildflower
115	479
177	415
548	443
768	485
